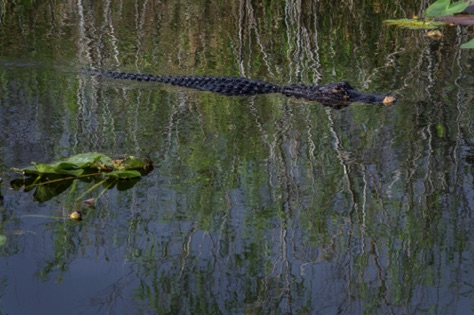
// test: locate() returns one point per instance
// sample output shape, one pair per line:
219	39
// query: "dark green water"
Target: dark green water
256	205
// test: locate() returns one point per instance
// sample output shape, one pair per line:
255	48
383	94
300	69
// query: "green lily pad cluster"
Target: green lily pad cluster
84	163
98	169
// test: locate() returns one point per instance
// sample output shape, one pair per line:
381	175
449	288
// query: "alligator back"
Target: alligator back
223	85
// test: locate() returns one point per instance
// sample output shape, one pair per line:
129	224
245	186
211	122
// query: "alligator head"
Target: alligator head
342	93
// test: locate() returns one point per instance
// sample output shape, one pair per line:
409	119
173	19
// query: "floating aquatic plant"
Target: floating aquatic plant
445	7
50	180
469	44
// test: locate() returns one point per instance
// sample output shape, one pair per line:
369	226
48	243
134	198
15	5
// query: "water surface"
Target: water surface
260	205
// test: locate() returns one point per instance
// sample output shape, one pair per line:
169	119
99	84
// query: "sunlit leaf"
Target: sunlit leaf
415	23
469	44
444	7
3	240
436	8
76	164
40	168
63	165
456	8
88	160
43	168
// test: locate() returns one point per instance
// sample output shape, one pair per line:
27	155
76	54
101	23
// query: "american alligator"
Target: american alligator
337	94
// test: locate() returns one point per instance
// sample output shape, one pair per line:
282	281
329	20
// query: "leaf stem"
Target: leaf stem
91	189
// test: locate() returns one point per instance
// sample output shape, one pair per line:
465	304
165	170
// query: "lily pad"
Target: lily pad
95	168
85	160
469	44
445	7
77	164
